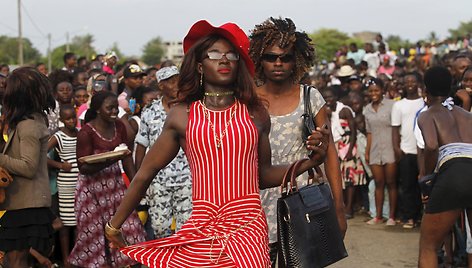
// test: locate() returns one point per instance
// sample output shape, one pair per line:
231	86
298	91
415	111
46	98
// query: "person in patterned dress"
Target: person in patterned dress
282	55
100	187
344	125
170	193
223	128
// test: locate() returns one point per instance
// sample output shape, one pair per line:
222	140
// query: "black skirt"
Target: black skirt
27	228
453	187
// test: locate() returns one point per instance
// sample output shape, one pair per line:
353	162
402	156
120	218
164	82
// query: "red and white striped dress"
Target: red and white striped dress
227	227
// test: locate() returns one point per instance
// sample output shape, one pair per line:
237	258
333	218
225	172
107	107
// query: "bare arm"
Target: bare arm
52	143
128	166
161	153
396	143
420	161
129	131
333	172
139	155
367	147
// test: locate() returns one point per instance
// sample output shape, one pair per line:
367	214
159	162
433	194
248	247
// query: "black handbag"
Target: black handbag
307	227
308	118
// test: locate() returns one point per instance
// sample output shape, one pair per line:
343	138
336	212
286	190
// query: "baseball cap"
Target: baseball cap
166	73
133	70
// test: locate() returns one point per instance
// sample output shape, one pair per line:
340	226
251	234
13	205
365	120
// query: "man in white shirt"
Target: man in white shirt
404	145
372	58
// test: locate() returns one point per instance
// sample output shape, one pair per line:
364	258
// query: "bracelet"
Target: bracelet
109	229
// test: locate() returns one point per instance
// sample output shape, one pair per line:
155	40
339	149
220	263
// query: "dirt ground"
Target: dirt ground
379	246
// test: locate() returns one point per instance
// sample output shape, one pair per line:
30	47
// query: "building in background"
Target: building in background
173	50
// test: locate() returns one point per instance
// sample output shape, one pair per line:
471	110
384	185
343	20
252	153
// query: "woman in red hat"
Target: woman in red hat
223	128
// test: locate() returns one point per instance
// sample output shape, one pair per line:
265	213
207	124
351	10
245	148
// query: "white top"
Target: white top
403	115
336	128
417	130
373	61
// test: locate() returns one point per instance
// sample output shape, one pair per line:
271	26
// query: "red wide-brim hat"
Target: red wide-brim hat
229	30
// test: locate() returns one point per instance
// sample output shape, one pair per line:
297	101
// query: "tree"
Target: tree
80	45
432	37
463	29
9	51
327	42
153	51
395	42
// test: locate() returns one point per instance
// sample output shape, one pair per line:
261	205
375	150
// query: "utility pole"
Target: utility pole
49	53
20	36
67	42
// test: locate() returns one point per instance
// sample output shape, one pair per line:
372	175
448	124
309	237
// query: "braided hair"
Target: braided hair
281	32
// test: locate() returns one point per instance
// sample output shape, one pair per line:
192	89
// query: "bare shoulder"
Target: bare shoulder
424	117
463	117
462	112
177	118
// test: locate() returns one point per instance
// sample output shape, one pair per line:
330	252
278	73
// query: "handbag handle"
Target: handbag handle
306	100
291	176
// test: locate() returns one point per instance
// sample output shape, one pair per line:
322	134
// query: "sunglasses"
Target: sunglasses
216	55
98	85
285	58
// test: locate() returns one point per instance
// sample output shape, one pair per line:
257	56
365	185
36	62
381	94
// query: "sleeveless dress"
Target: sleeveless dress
97	198
67	180
352	170
227	227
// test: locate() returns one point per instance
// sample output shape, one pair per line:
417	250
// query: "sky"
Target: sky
132	23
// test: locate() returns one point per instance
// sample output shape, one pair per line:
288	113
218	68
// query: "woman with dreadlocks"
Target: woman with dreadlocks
282	55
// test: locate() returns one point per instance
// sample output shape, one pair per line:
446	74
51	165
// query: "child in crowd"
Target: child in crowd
64	142
143	96
81	96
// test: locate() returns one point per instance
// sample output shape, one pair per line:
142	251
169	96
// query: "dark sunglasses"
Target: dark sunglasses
285	58
216	55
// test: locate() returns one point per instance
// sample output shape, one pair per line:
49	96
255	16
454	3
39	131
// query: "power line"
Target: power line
8	26
32	21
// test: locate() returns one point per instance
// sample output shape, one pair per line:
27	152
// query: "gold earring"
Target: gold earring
201	79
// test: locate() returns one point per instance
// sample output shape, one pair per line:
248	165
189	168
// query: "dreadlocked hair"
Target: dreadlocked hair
281	32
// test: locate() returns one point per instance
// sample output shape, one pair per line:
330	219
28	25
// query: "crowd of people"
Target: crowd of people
209	141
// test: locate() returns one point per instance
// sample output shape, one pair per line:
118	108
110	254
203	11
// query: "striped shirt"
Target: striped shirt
227	227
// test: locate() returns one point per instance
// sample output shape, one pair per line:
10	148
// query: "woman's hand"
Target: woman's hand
115	237
398	154
66	166
318	143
